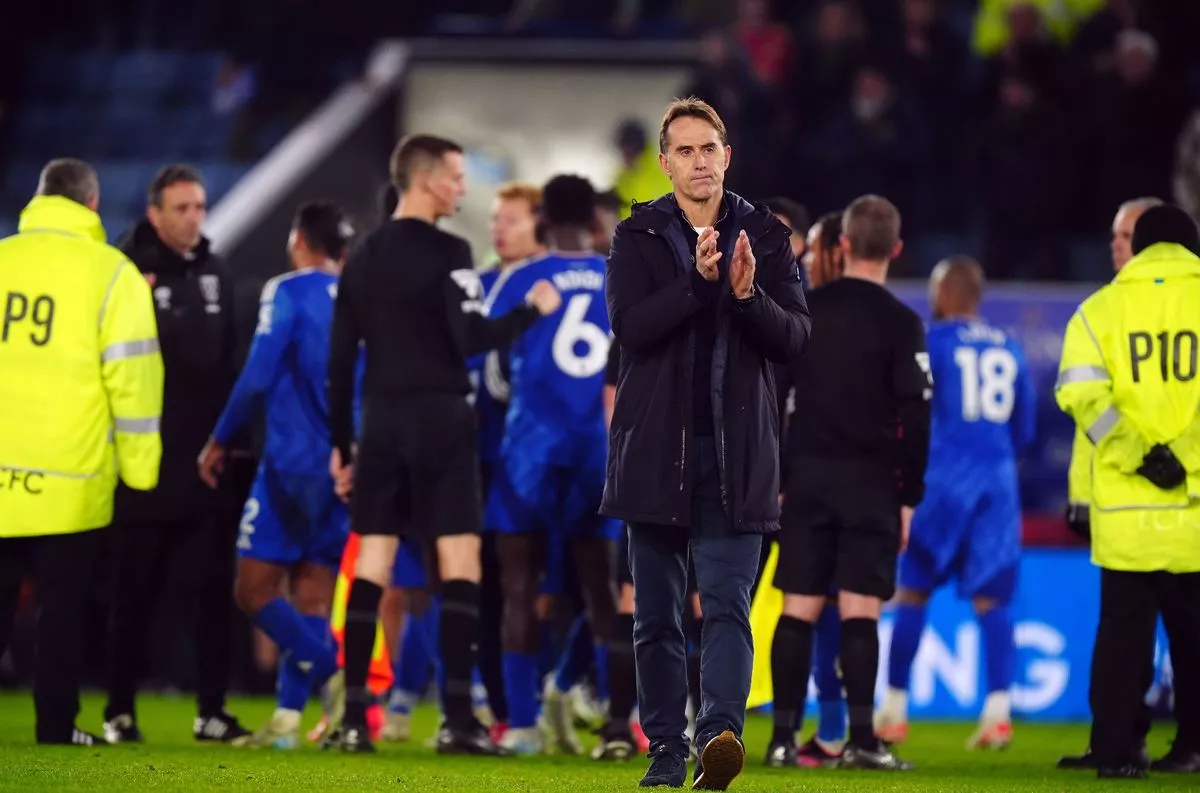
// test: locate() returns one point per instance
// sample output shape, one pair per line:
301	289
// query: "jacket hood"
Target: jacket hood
56	213
1161	260
144	247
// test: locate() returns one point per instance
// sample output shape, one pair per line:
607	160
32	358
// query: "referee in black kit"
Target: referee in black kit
862	412
412	295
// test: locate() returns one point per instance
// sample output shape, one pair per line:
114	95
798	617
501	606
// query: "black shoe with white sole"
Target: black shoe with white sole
873	758
76	737
221	728
122	729
355	740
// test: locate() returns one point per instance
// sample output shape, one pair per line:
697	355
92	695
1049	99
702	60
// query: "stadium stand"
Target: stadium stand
127	113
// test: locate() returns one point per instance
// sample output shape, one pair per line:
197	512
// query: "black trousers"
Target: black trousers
1123	659
143	553
63	569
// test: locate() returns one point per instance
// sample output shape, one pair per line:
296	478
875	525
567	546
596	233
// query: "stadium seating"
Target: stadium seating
128	114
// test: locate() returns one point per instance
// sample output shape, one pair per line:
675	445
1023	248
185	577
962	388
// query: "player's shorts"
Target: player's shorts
408	571
292	518
532	493
970	531
417	472
841	529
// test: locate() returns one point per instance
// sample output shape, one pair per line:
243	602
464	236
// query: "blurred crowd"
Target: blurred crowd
1017	124
1023	126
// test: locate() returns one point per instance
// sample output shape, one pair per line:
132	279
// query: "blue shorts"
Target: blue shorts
529	494
293	518
408	571
970	532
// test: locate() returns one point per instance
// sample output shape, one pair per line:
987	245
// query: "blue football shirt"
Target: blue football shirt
285	373
983	396
557	367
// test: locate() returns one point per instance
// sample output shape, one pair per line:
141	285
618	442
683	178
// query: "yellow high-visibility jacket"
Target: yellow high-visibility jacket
1062	18
1130	378
644	181
1079	473
81	377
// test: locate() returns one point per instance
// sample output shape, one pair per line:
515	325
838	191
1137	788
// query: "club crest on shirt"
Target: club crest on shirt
162	297
210	288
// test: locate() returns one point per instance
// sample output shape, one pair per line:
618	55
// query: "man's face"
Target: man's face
446	182
919	13
1025	22
752	13
1122	237
514	229
833	23
820	261
180	216
696	159
605	227
1135	65
797	239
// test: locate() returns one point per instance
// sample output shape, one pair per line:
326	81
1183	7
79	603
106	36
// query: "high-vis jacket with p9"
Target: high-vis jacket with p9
82	378
1130	377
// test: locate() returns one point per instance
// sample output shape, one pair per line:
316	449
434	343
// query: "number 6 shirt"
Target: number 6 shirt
557	367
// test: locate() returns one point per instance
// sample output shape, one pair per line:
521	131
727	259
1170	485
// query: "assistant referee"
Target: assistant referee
80	400
412	297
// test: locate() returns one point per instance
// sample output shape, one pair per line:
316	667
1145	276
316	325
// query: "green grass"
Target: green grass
171	760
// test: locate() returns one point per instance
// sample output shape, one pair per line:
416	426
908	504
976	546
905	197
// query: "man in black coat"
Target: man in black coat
703	294
193	306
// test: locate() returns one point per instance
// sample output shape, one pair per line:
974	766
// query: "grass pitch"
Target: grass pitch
172	760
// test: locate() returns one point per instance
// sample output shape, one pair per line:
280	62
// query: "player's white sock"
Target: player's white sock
997	708
895	706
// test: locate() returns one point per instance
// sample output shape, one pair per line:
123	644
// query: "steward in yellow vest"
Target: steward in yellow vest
81	384
1128	377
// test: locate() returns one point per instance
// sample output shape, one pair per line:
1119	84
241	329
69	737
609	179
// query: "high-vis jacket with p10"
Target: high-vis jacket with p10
81	377
1130	378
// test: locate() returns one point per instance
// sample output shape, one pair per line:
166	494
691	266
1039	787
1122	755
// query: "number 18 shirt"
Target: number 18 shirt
968	525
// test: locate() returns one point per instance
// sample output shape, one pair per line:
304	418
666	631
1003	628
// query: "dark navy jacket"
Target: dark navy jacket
653	292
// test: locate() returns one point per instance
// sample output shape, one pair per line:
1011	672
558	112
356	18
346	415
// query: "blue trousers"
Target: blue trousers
726	565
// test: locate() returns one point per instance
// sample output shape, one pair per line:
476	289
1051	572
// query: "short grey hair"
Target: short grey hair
69	178
1130	39
1139	204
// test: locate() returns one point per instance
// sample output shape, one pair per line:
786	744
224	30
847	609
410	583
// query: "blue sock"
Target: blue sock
577	655
831	724
412	665
292	685
906	638
521	687
601	654
548	650
294	637
479	694
295	684
428	624
998	648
